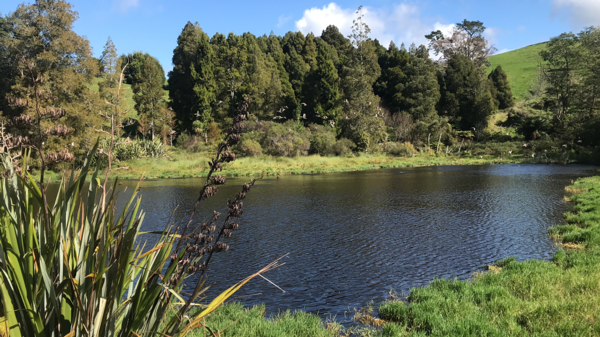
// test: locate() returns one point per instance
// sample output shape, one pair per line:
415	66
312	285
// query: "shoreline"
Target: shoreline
180	166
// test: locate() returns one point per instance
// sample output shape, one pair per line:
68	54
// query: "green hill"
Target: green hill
520	67
129	102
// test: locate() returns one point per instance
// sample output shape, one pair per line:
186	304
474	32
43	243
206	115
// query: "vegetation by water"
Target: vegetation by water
531	298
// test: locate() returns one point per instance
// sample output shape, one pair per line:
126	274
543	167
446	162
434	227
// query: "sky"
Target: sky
152	26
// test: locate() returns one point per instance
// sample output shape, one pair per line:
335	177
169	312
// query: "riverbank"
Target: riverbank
189	165
551	298
560	297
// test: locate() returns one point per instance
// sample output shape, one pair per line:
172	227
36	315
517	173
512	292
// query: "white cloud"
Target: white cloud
580	12
402	24
491	34
283	20
123	6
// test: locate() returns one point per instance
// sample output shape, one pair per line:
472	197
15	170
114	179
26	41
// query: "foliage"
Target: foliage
191	82
136	63
41	77
249	148
466	94
148	97
501	89
283	140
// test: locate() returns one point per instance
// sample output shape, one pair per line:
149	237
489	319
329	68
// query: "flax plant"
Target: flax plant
78	267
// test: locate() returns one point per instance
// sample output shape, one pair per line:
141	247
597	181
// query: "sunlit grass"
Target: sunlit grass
520	67
185	164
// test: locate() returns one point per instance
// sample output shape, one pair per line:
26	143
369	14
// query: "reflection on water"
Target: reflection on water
353	236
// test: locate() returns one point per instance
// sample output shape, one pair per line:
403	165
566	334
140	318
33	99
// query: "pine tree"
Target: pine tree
364	124
502	91
275	50
467	98
191	82
148	96
342	45
309	52
323	91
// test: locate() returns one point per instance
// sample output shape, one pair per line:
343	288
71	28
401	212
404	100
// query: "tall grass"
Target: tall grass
531	298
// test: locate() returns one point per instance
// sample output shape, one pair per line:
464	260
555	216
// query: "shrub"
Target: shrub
249	148
283	141
405	149
321	139
343	147
190	143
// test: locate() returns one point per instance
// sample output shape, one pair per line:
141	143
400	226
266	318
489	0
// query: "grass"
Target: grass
186	165
129	102
520	67
531	298
235	320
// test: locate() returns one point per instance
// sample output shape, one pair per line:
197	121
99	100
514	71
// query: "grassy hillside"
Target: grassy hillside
129	102
520	66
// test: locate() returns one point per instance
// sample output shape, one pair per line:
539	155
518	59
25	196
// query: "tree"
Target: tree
148	95
466	97
54	67
342	45
467	39
323	91
563	59
503	94
363	124
136	62
191	82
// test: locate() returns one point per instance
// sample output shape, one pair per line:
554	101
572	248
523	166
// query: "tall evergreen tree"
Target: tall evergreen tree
342	45
191	82
323	91
364	124
309	51
503	94
467	97
148	96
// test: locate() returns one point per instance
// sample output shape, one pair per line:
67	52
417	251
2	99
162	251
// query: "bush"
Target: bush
343	147
283	141
190	143
405	149
321	139
249	148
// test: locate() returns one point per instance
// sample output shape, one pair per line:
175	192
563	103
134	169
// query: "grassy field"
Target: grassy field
532	298
520	66
129	102
185	164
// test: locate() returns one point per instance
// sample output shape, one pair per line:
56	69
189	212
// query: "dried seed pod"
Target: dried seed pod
219	180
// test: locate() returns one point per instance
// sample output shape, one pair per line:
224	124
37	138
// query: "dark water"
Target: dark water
354	236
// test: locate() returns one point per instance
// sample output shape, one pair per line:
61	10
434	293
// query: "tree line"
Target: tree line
360	90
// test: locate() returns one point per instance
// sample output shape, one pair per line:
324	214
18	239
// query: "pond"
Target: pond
351	237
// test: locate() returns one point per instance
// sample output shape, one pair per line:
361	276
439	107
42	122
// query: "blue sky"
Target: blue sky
153	25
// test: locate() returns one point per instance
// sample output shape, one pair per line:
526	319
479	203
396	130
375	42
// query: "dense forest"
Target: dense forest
327	94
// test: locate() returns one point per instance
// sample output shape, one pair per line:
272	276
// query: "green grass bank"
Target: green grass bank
532	298
182	164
